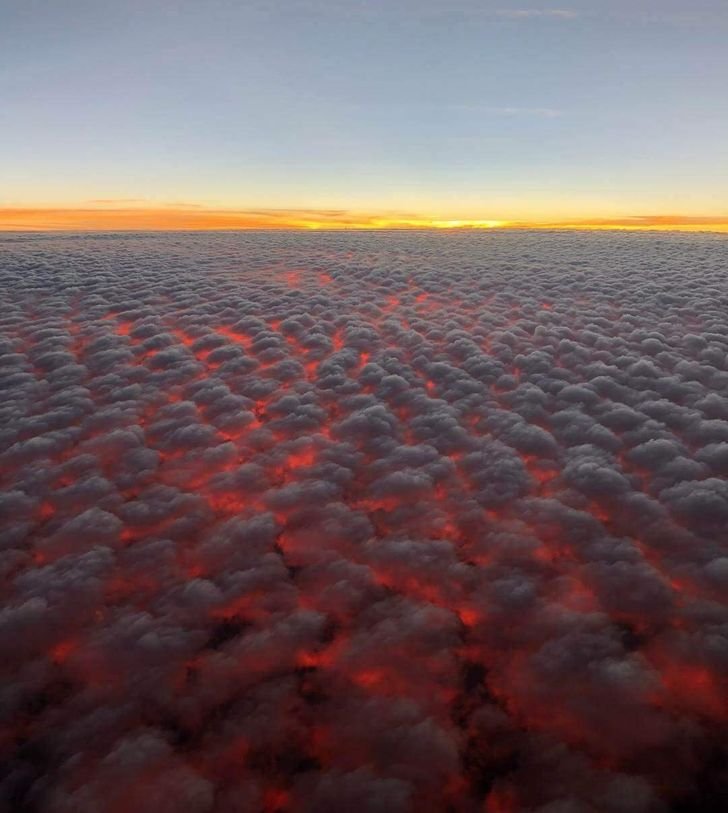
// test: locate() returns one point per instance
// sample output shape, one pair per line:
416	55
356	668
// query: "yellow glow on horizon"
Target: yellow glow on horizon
199	218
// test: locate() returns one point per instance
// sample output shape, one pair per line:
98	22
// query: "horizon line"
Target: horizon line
195	218
361	230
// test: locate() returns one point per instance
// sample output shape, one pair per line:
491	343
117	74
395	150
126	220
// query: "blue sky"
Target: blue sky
462	108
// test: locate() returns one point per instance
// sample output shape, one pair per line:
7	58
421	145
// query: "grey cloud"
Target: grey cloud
386	523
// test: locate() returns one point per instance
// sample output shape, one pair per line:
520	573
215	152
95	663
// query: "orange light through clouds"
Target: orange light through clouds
194	218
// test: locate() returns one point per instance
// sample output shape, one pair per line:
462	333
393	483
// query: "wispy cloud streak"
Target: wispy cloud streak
526	13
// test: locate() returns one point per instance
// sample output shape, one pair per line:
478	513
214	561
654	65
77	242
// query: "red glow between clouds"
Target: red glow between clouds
308	548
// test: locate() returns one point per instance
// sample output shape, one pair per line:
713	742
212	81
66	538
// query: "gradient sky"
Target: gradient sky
453	109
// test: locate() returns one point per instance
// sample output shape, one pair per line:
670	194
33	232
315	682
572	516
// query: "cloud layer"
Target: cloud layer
379	523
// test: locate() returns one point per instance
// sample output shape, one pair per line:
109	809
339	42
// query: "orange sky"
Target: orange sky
183	218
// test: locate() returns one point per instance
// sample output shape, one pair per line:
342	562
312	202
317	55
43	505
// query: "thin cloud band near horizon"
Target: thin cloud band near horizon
193	217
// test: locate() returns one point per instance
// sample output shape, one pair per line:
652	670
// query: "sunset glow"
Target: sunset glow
201	219
364	114
363	406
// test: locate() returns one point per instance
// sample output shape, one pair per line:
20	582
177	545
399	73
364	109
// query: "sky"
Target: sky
331	113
